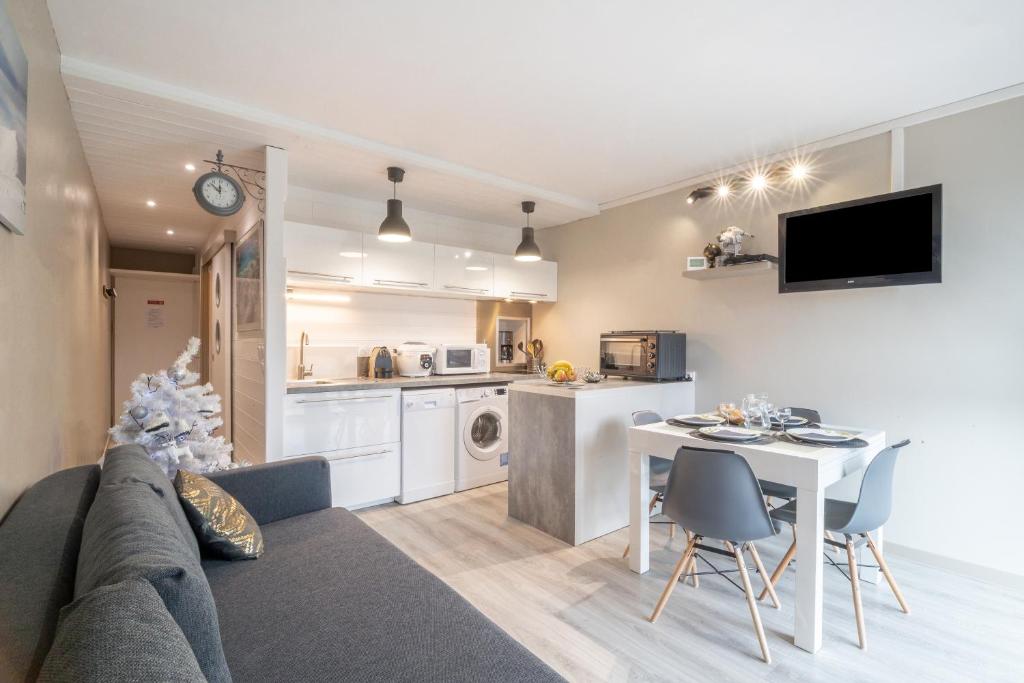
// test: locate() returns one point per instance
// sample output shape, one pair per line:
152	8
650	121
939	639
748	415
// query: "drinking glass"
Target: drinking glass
784	415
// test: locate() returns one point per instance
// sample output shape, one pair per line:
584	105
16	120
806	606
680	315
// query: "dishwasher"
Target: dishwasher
358	432
428	444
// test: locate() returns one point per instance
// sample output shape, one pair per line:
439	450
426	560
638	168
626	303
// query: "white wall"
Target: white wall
940	364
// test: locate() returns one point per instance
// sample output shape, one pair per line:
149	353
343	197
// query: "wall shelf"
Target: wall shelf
731	271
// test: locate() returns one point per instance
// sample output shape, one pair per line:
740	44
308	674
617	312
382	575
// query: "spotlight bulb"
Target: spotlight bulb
798	171
758	182
723	190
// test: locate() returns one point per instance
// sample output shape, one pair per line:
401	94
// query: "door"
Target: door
484	434
154	316
463	271
218	333
322	252
398	265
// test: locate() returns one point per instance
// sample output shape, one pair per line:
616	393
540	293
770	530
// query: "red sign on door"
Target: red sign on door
155	302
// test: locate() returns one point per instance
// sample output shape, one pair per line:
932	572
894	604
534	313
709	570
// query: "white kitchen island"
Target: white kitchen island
568	464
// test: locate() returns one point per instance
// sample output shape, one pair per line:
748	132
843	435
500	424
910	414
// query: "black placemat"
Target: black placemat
852	443
759	441
686	425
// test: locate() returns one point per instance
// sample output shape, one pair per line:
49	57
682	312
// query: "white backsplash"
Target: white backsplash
341	331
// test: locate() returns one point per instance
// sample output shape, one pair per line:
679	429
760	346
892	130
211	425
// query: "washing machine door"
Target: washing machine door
485	433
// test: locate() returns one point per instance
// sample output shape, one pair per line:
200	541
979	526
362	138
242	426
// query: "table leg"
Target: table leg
639	517
810	528
864	556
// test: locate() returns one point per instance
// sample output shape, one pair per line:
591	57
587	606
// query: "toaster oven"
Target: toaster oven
649	354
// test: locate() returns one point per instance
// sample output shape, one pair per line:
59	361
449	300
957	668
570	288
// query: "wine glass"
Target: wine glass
784	415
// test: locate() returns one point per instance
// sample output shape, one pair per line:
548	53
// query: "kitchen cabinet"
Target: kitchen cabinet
321	252
527	281
358	433
458	270
398	265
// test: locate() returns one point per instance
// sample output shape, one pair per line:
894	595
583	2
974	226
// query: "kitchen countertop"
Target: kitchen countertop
612	383
362	383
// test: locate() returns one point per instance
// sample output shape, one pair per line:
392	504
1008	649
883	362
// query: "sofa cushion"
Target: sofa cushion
223	526
39	540
130	533
120	632
131	463
331	599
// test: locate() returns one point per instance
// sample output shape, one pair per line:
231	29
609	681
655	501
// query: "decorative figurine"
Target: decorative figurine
732	238
711	253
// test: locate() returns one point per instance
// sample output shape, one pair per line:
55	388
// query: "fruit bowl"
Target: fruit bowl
561	372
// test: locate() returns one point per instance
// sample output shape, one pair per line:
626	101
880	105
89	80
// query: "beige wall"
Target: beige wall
54	323
940	364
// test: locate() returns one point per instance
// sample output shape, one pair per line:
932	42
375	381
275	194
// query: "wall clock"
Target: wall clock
219	193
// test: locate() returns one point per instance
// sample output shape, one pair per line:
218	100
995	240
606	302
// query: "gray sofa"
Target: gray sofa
103	580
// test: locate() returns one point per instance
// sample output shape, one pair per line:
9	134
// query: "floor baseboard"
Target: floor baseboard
968	569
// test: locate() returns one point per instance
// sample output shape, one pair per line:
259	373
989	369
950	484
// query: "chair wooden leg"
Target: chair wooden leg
670	586
781	569
768	586
851	561
887	574
829	536
650	509
752	604
671	531
691	569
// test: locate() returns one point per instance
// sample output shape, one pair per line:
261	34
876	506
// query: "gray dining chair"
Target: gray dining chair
659	470
785	491
855	521
714	494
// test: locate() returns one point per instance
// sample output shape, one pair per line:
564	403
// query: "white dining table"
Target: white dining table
809	468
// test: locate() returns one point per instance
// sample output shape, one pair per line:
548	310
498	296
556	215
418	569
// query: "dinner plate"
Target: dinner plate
730	433
819	435
565	385
791	421
702	420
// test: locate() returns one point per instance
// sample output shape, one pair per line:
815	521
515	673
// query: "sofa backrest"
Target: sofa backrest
39	546
136	528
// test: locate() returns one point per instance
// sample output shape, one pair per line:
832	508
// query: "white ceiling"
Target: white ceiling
580	102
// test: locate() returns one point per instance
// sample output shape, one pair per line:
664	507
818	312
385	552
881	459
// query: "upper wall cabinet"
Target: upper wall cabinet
398	265
531	281
463	271
322	252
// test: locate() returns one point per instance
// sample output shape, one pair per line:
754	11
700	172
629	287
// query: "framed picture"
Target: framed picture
249	280
13	126
696	263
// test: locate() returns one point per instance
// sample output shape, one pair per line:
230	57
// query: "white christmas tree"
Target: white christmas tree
173	418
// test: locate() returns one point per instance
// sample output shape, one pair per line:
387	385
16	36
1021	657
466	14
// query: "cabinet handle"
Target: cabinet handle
335	400
360	455
321	276
536	295
481	290
400	283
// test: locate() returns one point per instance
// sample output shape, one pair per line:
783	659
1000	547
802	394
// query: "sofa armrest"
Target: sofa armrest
277	490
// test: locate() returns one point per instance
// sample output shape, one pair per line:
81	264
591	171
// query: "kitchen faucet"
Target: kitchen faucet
304	372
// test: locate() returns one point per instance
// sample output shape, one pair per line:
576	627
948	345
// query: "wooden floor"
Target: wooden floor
584	613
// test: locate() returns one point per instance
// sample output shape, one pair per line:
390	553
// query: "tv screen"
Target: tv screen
891	239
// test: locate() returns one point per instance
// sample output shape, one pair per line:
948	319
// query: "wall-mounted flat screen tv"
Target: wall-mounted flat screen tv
891	239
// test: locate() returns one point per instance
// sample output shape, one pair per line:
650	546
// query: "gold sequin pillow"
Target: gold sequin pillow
222	525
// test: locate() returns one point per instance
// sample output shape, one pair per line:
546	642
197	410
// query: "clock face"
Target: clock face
218	194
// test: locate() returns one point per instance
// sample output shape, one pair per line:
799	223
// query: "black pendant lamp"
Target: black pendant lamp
528	249
394	228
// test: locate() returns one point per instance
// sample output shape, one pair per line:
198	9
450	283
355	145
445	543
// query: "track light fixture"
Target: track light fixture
756	182
394	228
528	249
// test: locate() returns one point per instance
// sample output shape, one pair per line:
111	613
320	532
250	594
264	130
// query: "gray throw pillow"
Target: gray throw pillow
129	533
120	632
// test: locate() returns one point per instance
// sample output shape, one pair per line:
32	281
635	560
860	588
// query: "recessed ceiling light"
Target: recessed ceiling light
758	182
190	167
723	190
351	254
150	203
477	268
169	231
467	254
798	171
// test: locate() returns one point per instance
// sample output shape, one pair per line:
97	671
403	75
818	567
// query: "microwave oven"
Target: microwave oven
461	359
647	354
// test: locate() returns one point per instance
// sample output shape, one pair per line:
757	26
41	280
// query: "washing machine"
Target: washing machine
481	455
